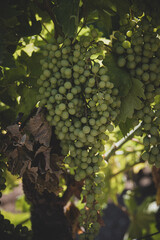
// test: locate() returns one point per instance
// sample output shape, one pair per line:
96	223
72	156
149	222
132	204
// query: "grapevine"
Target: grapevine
63	90
81	103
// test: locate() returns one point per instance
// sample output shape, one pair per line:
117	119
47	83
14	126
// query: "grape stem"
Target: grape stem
120	143
46	29
43	38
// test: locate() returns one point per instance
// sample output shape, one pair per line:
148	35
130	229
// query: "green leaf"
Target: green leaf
130	202
28	100
33	66
126	127
122	6
106	22
14	74
7	117
28	26
8	10
8	95
67	15
118	76
132	101
142	219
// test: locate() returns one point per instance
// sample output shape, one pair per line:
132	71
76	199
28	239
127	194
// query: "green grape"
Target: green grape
147	119
121	62
126	44
153	140
110	128
154	131
155	150
146	141
152	159
120	50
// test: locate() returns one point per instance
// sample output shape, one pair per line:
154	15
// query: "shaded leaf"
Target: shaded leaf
131	101
122	7
118	76
28	101
126	127
14	130
70	12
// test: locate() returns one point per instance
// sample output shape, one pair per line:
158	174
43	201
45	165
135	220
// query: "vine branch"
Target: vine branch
120	143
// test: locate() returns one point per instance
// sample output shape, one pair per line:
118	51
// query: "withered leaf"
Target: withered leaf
24	167
40	129
32	173
48	182
56	161
13	161
28	144
18	160
46	153
14	131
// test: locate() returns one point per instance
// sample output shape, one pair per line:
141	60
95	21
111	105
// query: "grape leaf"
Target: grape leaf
28	100
40	129
67	15
33	66
106	22
121	6
126	127
118	76
131	101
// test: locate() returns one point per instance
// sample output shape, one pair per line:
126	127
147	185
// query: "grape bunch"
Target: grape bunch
137	47
151	141
82	102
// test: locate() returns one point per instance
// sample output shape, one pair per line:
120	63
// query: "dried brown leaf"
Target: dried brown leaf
46	153
14	131
32	173
40	129
25	141
18	160
48	182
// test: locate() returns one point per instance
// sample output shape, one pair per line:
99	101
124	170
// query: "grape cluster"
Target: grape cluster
151	141
82	102
9	231
138	49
